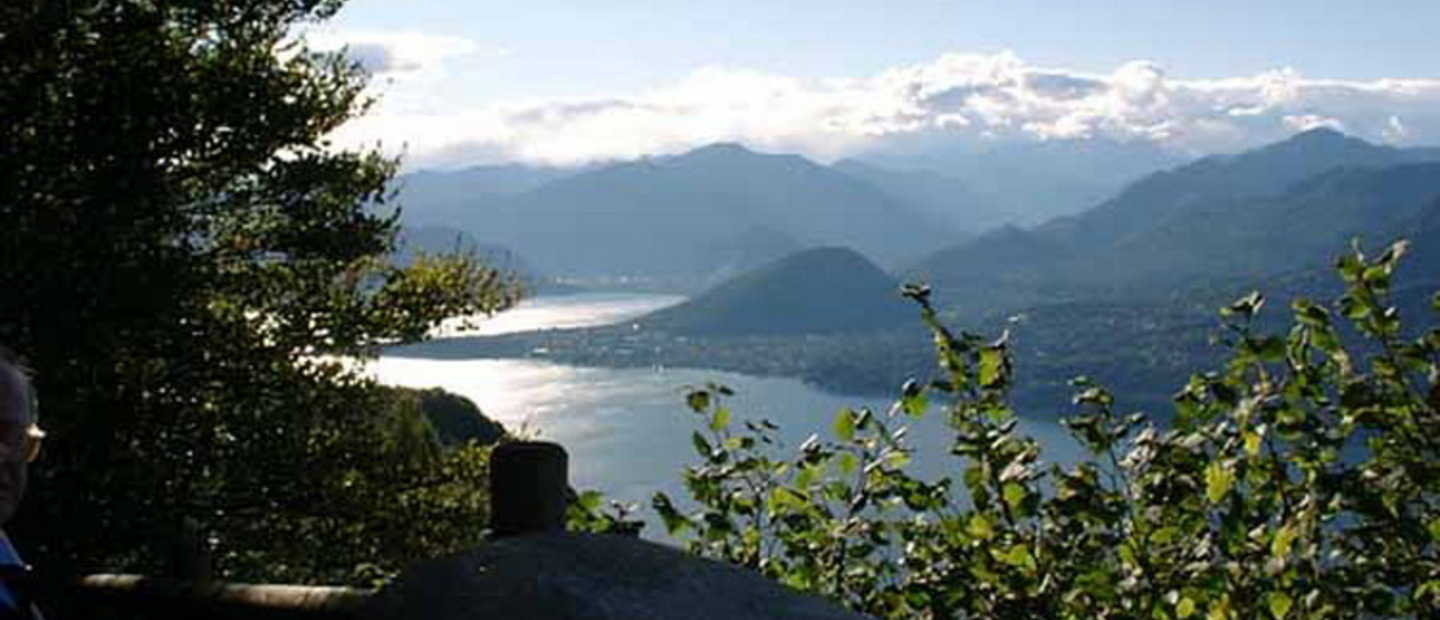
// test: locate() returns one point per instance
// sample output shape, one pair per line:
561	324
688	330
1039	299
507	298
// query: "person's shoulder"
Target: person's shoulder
9	556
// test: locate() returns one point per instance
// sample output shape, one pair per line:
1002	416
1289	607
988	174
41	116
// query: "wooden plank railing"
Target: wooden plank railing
528	485
122	597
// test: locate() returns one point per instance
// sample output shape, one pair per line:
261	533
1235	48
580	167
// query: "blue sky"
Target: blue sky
629	49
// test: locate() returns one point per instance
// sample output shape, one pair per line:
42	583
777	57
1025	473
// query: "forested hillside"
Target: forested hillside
820	291
1239	218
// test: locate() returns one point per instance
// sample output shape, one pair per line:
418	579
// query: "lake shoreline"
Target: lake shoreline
862	364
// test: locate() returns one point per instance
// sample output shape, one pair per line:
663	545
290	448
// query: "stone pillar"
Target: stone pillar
528	484
190	559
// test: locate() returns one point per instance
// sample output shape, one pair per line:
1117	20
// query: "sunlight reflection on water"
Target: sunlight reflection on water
559	312
628	430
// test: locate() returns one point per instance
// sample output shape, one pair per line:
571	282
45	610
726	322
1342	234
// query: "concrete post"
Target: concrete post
528	484
190	559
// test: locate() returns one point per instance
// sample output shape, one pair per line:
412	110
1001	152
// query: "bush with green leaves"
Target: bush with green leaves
1299	481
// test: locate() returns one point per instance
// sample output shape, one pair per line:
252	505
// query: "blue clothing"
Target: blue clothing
14	600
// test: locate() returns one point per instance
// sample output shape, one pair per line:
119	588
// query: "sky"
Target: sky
572	81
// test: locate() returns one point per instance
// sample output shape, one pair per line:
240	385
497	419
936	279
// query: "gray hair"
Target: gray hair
9	359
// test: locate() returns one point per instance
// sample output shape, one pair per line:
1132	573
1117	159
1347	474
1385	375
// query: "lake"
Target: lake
628	430
560	312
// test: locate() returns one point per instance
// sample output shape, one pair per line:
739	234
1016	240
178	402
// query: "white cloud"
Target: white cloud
963	96
1395	129
385	52
1306	122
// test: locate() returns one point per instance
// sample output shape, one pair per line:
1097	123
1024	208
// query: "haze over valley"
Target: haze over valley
745	234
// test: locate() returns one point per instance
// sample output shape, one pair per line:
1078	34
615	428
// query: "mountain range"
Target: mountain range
696	217
693	220
1029	183
1289	206
1125	292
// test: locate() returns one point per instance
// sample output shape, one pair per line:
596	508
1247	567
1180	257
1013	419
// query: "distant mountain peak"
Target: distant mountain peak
729	155
1320	133
718	149
1320	138
819	290
835	255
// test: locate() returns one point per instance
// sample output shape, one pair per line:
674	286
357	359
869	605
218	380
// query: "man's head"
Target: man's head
19	435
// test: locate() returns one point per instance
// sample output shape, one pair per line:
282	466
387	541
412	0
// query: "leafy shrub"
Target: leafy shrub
1299	481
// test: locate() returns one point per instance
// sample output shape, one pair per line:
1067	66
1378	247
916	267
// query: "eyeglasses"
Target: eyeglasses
34	436
21	444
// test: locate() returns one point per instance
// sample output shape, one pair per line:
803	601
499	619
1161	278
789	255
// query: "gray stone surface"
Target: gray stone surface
589	577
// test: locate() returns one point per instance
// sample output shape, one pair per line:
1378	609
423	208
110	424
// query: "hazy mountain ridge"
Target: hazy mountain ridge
1239	217
677	216
942	197
1132	305
436	240
681	217
440	189
1262	172
1034	182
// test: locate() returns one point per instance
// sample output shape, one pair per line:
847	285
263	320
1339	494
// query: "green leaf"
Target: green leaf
1309	314
1354	308
1270	349
807	476
702	447
1014	494
1351	266
980	526
674	521
1220	610
1218	480
844	425
846	462
590	500
1185	608
783	500
1127	555
1252	442
897	459
992	362
1284	540
698	400
1165	535
1280	604
973	477
1019	556
721	419
914	400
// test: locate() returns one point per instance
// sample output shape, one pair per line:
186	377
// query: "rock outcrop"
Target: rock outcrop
590	577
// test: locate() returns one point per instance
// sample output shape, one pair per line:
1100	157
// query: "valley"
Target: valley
1126	292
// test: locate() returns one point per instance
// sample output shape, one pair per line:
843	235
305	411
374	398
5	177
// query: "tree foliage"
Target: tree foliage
1298	481
181	250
